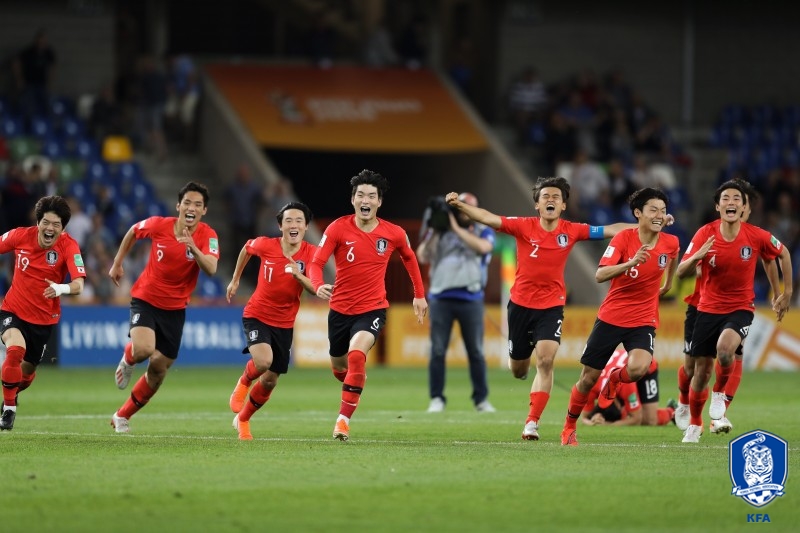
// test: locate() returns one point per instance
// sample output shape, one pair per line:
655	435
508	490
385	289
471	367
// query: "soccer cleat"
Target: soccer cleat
723	425
436	405
119	424
238	396
530	431
485	407
682	416
341	430
607	394
243	428
692	434
717	408
123	374
569	437
7	419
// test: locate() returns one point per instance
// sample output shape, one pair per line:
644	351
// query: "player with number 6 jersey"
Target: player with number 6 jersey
641	264
361	245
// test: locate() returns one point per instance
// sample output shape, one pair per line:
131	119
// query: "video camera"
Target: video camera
439	219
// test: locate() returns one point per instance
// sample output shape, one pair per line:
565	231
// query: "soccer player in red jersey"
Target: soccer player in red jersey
536	305
180	247
361	245
268	318
686	371
44	255
636	404
726	251
635	262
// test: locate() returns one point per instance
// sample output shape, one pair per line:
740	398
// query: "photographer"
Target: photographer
458	251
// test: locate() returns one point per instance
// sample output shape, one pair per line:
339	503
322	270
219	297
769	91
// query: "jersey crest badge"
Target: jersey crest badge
562	239
746	253
758	465
381	245
51	257
189	255
301	265
662	260
252	335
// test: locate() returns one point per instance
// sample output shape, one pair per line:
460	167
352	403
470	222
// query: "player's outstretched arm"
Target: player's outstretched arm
477	214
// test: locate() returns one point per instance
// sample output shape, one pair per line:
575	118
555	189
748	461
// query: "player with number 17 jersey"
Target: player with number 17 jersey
361	262
276	299
632	298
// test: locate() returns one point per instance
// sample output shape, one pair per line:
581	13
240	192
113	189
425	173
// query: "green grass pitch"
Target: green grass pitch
183	469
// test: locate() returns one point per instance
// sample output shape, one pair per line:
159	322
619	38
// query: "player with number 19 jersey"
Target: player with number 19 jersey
171	271
361	262
276	300
542	257
632	298
32	265
729	268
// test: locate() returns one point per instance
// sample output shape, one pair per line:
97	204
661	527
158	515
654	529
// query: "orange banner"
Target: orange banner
347	109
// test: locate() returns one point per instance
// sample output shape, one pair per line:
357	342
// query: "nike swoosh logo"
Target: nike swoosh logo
161	245
24	252
268	262
348	243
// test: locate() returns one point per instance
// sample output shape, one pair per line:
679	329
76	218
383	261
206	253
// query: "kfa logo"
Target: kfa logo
252	335
759	463
302	266
189	255
381	245
51	257
746	253
135	318
562	240
662	261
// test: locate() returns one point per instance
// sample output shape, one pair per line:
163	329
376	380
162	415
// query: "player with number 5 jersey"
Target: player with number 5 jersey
361	245
641	264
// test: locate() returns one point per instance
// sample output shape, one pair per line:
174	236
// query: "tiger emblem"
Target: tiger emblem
757	462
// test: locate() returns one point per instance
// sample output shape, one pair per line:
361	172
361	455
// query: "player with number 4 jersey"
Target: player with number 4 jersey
641	264
726	251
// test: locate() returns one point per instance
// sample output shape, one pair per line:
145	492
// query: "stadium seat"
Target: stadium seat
69	170
87	149
117	149
22	147
62	107
41	126
98	172
11	126
53	148
72	128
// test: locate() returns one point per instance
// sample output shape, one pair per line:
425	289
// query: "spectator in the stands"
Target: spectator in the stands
107	115
561	141
183	96
621	185
80	224
18	198
152	101
33	72
527	101
588	183
244	199
379	49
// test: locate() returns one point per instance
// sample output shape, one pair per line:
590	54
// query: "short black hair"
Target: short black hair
55	204
295	205
196	187
557	182
368	177
747	190
642	196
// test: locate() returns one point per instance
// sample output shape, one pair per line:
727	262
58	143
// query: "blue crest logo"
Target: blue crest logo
759	463
562	239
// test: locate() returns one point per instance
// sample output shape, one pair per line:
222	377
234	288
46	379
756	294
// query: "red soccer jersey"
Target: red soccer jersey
171	272
276	299
729	268
361	260
632	298
541	259
32	265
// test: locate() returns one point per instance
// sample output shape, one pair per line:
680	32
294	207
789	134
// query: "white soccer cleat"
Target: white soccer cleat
436	405
485	407
717	408
682	416
531	431
723	425
120	424
123	374
692	434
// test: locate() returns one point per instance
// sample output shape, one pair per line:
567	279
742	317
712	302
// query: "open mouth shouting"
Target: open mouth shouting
48	237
